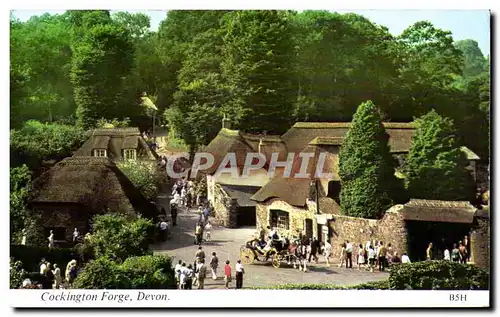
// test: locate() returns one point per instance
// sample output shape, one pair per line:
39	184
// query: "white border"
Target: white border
131	5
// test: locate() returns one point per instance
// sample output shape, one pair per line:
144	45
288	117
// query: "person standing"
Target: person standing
227	274
429	252
382	257
189	277
200	254
328	252
57	277
348	254
177	270
467	248
463	253
455	253
447	256
51	239
163	230
198	234
314	250
361	256
49	276
43	266
239	274
342	254
405	259
202	274
208	230
183	276
173	213
214	264
76	235
371	257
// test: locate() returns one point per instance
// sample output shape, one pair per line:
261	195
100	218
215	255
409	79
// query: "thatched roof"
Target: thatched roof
114	141
241	193
93	182
438	211
471	156
302	133
292	190
328	205
269	144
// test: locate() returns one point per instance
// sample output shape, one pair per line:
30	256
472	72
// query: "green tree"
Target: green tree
102	273
436	167
144	176
102	59
474	61
366	167
20	188
116	237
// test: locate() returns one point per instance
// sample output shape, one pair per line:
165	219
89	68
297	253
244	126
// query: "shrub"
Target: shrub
115	123
149	272
145	272
144	176
445	275
37	141
20	188
102	273
376	285
17	273
117	237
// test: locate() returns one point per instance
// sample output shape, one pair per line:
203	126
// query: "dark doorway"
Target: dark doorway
320	232
442	235
309	228
245	217
334	190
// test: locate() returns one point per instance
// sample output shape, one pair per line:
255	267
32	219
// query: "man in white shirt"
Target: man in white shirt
177	270
43	266
163	230
447	255
239	274
348	250
405	258
76	234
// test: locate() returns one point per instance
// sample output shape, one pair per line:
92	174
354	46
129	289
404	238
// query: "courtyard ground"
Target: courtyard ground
227	242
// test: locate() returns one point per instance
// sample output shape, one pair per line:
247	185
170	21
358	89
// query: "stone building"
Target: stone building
117	144
69	194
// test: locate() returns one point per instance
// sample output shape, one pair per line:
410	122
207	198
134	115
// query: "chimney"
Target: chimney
261	144
226	123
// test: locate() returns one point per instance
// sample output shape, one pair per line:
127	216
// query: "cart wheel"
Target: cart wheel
247	256
276	260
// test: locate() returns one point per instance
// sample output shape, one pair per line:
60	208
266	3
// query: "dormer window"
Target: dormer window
130	154
100	153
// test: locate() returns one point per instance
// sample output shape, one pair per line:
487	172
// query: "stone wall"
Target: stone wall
480	243
297	217
390	229
224	208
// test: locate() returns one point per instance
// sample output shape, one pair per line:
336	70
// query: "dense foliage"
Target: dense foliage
35	142
366	167
143	175
17	273
264	69
20	187
436	167
116	237
442	275
145	272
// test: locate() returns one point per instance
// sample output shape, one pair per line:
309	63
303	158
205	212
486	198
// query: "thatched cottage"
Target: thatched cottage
117	144
289	203
69	194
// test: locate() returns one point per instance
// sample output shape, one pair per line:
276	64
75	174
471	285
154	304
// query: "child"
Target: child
227	274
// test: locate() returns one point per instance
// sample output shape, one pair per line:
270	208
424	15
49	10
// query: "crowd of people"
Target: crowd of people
460	252
51	276
189	275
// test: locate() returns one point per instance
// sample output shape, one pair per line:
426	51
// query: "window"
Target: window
100	153
129	154
280	219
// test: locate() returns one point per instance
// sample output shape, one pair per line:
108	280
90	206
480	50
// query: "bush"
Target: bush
102	273
432	275
145	272
115	123
17	274
144	176
37	141
149	272
30	256
20	188
117	238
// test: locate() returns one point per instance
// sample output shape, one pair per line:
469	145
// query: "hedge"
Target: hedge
375	285
30	256
427	275
434	275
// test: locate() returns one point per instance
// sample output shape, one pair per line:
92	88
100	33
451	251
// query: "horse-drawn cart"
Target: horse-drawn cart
278	252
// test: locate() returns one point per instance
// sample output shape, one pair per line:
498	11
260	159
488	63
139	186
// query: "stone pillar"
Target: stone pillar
480	243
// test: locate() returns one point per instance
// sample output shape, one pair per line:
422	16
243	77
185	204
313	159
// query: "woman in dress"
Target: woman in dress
361	256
